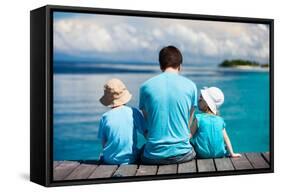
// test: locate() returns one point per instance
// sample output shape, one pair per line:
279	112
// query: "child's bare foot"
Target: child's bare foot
235	155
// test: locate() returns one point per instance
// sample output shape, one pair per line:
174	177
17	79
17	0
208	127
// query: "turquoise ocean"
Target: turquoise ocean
77	89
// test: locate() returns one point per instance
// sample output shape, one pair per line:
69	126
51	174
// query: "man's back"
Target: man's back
167	100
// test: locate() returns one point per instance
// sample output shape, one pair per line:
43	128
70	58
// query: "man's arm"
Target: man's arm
103	142
144	114
191	117
193	127
145	118
193	106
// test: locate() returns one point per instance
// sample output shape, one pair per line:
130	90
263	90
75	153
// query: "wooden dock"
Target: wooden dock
73	170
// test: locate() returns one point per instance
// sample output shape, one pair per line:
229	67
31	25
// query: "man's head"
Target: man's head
170	56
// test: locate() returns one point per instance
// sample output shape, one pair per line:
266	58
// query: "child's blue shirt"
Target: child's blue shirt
208	139
118	127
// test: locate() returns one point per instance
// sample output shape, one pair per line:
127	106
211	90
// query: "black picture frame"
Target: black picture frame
41	93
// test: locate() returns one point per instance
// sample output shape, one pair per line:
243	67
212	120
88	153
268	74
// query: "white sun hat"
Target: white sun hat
214	98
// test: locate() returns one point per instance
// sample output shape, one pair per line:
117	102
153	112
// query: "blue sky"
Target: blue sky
125	38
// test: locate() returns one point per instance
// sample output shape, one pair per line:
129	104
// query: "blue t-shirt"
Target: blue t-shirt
208	139
167	100
118	127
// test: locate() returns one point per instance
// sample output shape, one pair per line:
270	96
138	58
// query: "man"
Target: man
167	102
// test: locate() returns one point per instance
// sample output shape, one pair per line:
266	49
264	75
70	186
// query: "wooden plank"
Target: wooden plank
167	169
64	169
257	160
125	171
147	170
241	163
103	171
205	165
188	167
266	156
83	171
223	164
70	170
56	163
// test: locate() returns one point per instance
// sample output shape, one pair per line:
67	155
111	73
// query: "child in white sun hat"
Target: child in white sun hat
118	126
209	136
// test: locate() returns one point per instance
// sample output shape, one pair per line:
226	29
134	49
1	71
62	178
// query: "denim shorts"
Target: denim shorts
169	160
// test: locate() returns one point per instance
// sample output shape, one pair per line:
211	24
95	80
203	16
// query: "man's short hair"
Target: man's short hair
170	56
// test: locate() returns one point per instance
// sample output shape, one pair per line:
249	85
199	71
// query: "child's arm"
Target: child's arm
193	127
228	145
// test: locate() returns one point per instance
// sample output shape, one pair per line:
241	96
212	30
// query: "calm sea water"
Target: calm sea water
77	110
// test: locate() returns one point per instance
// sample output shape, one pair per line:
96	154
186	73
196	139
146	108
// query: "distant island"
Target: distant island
239	63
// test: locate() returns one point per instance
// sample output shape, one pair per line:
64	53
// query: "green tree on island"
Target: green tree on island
239	62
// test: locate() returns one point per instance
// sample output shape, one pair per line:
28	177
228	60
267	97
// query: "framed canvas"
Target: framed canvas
123	95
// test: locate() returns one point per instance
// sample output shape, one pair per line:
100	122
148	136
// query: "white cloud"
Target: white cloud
135	37
76	36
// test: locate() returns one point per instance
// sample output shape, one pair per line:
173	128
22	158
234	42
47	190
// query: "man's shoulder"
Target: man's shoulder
186	80
156	80
152	81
